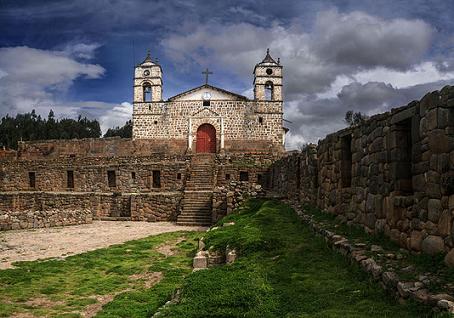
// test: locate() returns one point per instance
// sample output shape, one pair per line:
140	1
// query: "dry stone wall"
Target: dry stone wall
37	219
393	174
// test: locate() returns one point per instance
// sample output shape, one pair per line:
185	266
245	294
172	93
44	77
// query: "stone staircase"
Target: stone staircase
198	193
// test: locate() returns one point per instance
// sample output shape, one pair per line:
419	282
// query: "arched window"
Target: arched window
269	90
147	94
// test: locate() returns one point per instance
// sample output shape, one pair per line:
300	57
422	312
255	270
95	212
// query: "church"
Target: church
187	156
208	118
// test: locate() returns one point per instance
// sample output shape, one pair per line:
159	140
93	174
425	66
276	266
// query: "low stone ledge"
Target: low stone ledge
356	253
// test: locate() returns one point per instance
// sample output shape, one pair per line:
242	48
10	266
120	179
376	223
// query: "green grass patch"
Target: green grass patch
283	271
65	288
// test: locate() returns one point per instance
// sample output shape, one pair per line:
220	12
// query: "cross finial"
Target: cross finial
206	72
268	51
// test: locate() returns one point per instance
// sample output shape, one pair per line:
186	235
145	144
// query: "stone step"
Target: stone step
194	223
197	206
206	219
196	212
194	216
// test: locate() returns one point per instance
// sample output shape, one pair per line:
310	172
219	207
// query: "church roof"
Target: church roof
209	87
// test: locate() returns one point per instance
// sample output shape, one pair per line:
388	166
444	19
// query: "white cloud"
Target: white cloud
422	73
116	116
34	78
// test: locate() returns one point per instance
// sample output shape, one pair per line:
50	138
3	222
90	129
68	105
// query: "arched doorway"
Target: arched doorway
206	139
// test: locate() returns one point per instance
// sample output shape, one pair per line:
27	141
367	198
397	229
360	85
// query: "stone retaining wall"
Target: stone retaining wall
394	174
228	198
29	219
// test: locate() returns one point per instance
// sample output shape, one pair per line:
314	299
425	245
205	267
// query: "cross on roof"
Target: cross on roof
206	72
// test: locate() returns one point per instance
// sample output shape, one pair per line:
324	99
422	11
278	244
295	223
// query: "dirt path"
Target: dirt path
28	245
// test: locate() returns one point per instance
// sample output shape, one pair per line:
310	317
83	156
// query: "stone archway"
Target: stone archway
206	139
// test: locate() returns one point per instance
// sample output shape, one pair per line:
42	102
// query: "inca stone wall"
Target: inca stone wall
392	174
37	219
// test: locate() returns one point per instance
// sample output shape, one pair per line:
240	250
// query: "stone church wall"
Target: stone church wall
392	174
248	126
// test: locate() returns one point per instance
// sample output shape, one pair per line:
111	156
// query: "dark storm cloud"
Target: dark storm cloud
362	40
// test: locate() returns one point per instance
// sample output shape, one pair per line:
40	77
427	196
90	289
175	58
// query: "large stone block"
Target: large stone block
445	223
432	245
434	210
449	258
416	238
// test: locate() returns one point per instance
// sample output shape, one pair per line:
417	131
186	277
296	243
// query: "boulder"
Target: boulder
434	210
449	258
432	245
416	240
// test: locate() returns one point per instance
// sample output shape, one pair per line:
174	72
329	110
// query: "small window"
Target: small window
206	103
155	122
178	176
32	179
111	178
133	176
269	71
149	107
70	179
227	176
156	179
261	120
244	176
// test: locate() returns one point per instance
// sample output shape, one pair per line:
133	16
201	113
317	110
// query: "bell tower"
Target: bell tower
147	81
268	79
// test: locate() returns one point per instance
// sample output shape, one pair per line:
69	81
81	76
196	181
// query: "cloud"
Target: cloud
362	40
34	78
116	116
343	61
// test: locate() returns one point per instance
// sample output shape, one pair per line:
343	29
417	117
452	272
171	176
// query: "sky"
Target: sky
77	57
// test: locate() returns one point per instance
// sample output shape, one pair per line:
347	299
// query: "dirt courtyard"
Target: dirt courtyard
33	244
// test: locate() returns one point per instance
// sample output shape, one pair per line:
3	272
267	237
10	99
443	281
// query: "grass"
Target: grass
283	271
65	288
422	263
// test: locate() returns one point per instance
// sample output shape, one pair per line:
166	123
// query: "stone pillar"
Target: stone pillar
190	134
222	133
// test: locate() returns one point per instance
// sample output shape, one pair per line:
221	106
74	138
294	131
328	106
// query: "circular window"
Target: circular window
146	72
269	71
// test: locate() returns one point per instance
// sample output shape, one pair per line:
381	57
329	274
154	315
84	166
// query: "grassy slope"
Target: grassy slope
423	263
69	285
283	271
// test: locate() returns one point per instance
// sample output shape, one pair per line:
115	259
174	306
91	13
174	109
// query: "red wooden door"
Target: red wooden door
206	139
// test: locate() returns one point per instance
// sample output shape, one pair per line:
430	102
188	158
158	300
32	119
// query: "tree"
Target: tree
30	126
123	132
352	118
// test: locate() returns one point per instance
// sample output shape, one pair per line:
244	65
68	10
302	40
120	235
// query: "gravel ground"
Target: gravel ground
28	245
